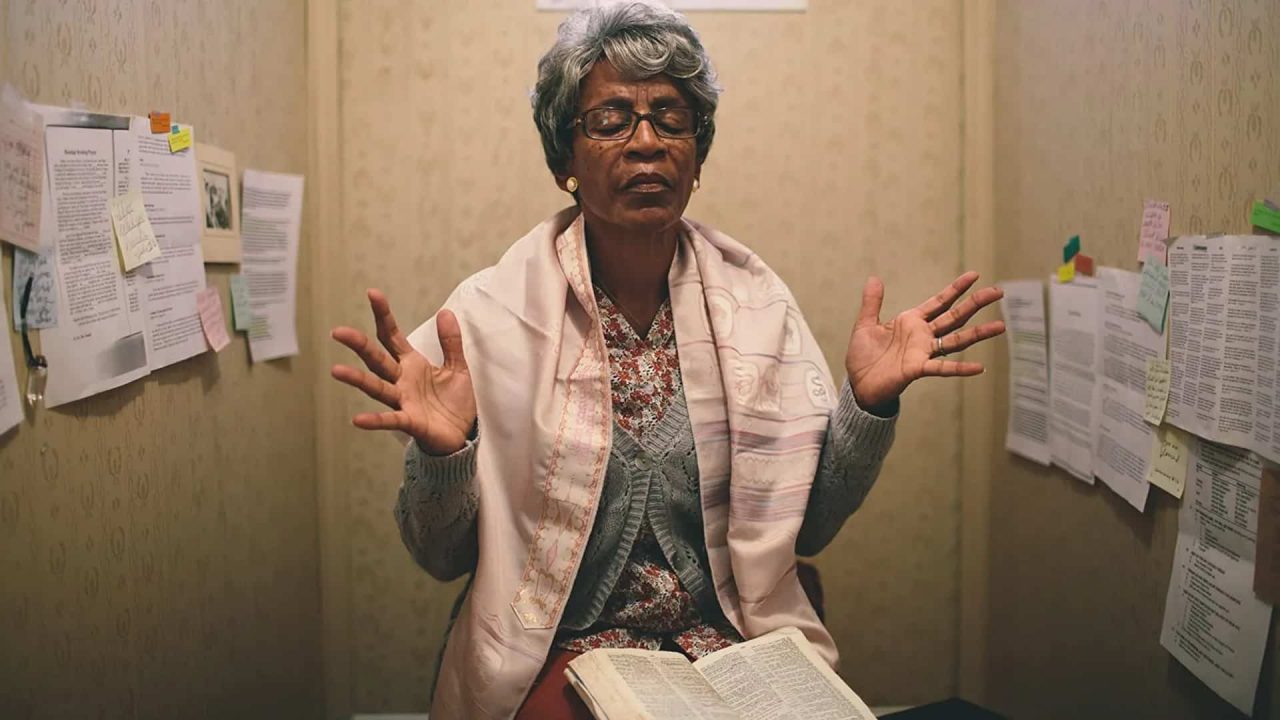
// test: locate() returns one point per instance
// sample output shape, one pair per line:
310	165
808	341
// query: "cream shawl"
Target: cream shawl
759	396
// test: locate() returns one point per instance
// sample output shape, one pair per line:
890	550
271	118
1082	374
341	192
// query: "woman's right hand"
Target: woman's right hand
435	405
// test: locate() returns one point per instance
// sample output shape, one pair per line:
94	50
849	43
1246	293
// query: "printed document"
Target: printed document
99	341
10	395
1224	340
1213	622
1126	343
1073	337
171	189
270	224
1028	430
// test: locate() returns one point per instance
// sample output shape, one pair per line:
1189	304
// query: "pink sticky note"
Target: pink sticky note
1155	228
215	327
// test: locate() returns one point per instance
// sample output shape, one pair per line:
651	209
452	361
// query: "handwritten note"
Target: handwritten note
1157	390
1266	573
1265	217
215	327
1071	248
1170	454
180	139
134	235
42	309
160	122
21	177
1155	228
1153	295
241	313
1066	272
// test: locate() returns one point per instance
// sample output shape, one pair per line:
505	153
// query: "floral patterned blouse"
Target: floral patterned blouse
648	608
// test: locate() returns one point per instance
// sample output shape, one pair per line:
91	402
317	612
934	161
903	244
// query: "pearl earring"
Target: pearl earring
571	184
696	184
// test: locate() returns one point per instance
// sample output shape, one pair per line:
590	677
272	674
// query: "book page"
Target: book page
627	684
779	676
1224	337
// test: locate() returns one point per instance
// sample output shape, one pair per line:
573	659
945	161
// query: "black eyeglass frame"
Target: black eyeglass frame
699	120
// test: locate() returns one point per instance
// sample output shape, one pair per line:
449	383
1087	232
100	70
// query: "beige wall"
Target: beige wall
158	542
1098	105
837	155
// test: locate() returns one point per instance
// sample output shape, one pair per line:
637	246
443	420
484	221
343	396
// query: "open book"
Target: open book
778	676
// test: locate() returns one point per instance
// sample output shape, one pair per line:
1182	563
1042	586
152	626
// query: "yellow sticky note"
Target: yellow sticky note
134	235
1170	453
180	139
1066	272
1157	391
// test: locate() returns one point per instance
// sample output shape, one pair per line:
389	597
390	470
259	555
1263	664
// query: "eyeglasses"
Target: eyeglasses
608	123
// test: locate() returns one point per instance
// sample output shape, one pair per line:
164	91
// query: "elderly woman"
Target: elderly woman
624	430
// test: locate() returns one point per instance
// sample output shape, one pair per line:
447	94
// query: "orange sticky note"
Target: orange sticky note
160	122
180	138
1084	265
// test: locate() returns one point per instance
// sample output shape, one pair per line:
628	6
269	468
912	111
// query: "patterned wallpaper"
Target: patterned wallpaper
158	542
837	155
1100	104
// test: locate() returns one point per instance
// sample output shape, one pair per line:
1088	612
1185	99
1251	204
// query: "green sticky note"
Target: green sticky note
1265	217
241	314
1071	248
1153	294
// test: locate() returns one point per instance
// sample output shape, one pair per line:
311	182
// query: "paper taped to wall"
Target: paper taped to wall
1224	340
1213	622
1028	430
1073	336
271	221
1126	344
10	396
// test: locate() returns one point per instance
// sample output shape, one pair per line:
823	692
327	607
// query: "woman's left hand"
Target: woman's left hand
884	358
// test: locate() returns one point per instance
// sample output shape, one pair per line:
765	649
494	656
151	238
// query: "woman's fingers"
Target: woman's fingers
957	341
450	334
933	306
390	420
374	357
388	331
938	367
872	300
960	313
368	383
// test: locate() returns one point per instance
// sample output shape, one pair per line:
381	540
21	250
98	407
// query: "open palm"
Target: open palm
435	404
885	357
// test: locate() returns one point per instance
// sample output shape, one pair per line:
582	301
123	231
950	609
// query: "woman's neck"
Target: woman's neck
632	268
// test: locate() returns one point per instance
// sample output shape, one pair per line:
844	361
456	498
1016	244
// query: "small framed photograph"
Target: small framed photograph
220	202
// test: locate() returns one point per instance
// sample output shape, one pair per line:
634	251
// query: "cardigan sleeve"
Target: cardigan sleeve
436	510
854	449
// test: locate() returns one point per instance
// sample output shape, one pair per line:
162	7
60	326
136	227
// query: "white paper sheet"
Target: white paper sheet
1123	439
1073	337
99	342
21	171
271	221
1213	622
1224	340
170	188
10	394
42	307
1024	318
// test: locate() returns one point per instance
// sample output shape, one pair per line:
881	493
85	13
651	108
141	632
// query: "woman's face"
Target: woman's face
636	185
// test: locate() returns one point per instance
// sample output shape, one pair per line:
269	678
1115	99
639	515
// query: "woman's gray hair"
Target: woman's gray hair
640	40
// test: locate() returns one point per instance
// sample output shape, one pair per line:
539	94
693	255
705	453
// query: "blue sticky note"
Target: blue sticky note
241	311
174	129
42	308
1071	248
1153	294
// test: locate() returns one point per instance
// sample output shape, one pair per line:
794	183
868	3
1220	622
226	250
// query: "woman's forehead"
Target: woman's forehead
604	83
